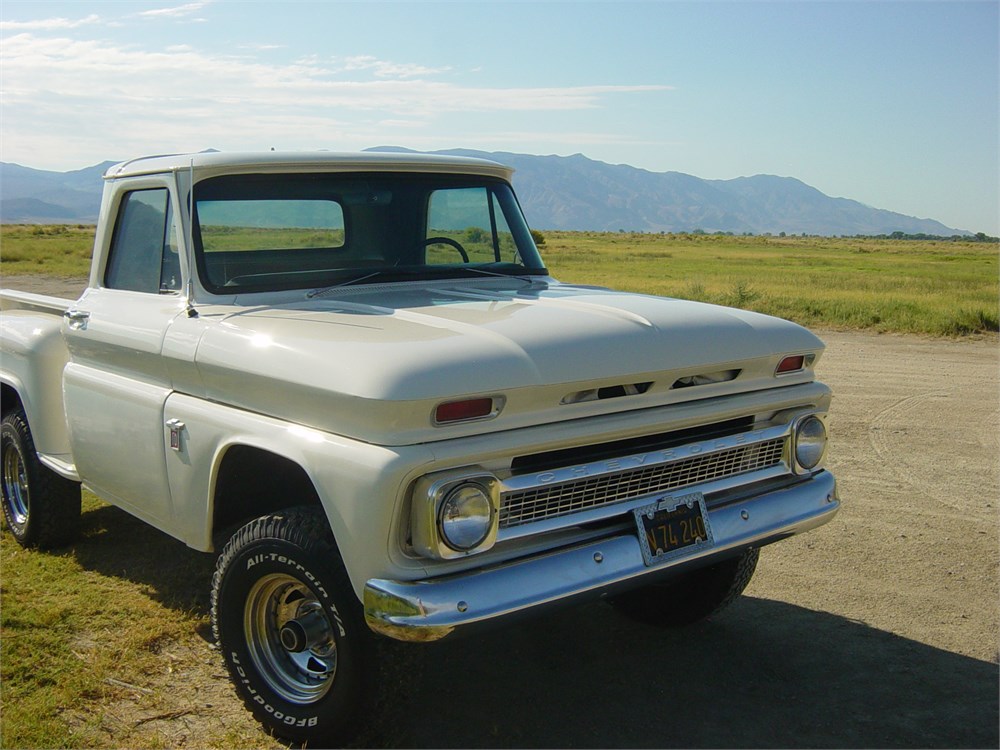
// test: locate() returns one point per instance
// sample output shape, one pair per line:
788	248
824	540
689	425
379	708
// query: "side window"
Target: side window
470	218
144	253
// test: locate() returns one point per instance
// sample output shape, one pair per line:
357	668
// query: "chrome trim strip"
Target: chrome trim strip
642	460
431	609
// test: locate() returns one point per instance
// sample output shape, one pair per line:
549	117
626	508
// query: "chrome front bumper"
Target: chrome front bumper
432	609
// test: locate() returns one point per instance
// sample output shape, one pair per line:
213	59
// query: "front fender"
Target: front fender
359	485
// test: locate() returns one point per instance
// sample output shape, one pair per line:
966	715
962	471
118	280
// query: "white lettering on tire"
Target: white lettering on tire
292	721
283	560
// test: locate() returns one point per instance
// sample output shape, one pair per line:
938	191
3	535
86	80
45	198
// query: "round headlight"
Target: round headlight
810	442
465	517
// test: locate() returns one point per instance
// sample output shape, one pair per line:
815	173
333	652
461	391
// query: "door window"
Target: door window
144	253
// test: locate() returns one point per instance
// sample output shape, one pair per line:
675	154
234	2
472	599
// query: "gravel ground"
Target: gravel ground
877	630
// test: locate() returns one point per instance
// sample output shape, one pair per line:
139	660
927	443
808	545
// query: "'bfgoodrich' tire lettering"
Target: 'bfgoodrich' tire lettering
277	569
288	719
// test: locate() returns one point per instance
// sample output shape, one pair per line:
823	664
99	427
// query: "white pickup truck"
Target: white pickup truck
355	372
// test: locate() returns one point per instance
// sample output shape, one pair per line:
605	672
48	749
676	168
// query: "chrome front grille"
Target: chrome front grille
552	499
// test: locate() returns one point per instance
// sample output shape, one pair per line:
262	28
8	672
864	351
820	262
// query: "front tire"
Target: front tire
691	596
291	629
41	508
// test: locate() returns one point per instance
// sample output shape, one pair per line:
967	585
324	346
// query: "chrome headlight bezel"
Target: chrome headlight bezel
809	442
436	522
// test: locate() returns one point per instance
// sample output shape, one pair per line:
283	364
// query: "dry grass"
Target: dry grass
107	643
940	288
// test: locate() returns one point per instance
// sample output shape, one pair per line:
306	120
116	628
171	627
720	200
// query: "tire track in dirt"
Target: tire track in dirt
939	415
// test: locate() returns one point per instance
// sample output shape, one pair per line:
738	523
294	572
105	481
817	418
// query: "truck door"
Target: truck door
117	382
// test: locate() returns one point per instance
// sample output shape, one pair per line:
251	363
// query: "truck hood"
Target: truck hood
373	362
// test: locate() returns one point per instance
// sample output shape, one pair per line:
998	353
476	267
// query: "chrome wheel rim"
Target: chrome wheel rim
15	485
290	638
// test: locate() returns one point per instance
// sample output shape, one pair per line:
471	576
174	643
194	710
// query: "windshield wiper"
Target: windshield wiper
487	272
355	280
369	274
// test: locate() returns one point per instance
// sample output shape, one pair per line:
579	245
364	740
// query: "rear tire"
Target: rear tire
692	596
41	508
291	629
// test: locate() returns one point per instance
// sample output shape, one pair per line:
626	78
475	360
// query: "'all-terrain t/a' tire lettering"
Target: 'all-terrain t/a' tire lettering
291	629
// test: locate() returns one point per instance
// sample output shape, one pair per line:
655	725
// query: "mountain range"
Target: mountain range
558	192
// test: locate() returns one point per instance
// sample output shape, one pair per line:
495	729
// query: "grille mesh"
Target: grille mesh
550	501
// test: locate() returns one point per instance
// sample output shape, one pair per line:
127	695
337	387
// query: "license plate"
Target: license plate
670	527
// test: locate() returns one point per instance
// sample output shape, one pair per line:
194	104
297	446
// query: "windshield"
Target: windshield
302	231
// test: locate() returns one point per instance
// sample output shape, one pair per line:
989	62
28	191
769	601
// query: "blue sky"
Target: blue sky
894	104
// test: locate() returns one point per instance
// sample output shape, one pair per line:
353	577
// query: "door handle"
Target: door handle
77	319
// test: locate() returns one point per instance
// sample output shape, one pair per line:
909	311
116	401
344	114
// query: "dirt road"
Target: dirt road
878	630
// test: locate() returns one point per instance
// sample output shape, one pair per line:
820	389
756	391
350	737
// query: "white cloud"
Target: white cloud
48	24
387	69
174	12
64	95
391	123
262	47
118	74
575	139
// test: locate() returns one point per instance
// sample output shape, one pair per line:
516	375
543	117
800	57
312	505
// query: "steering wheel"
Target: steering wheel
448	241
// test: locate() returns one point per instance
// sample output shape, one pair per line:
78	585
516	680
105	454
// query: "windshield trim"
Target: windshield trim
429	273
375	239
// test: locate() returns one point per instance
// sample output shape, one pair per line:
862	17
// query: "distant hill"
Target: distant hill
577	193
36	196
558	192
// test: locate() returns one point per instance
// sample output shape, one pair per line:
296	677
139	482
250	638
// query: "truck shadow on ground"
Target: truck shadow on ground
763	673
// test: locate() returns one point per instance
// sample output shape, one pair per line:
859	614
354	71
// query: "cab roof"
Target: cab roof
218	162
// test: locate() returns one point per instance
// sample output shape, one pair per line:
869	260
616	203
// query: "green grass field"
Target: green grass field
942	288
48	250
